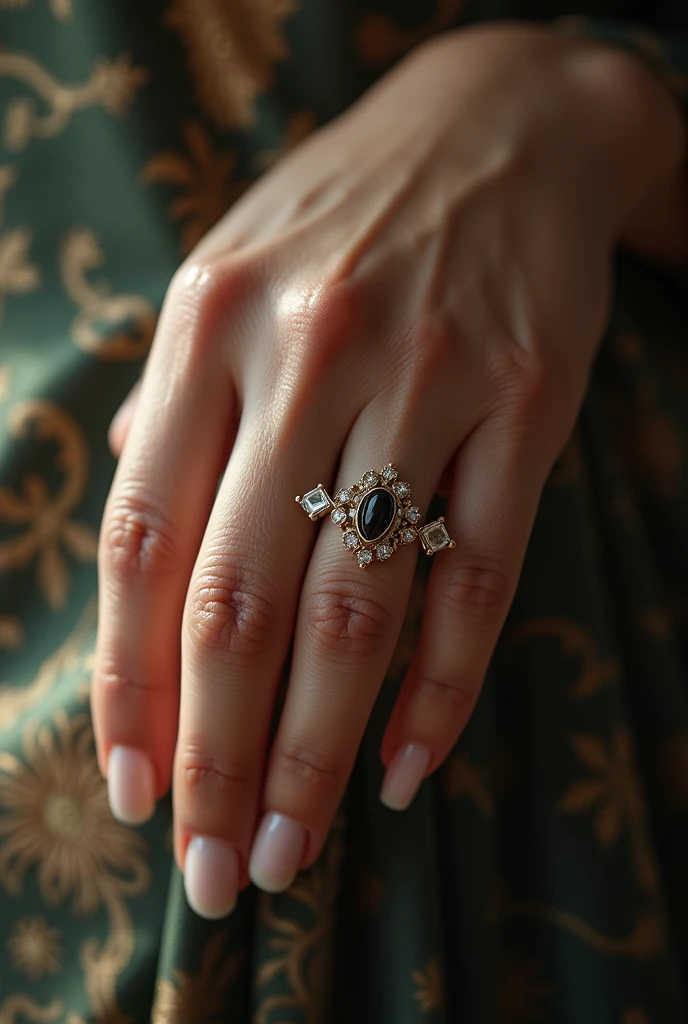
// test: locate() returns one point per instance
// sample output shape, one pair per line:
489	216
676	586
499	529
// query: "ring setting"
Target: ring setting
376	516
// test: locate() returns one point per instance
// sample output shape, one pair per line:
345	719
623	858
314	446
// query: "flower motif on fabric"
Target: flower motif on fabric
430	982
232	49
613	791
35	947
112	85
203	175
200	997
55	817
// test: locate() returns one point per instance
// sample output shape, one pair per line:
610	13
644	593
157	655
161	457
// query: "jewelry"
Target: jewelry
376	516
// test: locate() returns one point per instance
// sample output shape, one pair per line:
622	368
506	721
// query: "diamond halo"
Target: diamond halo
376	516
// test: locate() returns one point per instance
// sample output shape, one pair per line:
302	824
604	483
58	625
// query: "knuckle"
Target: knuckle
119	687
136	542
457	694
477	590
524	380
201	291
306	765
216	776
348	619
232	610
434	350
317	325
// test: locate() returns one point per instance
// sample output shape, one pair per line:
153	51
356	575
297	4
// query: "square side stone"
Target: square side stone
316	502
434	537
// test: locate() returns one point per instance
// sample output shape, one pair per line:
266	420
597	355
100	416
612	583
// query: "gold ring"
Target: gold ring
376	516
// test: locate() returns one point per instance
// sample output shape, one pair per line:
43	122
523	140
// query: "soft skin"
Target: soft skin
425	281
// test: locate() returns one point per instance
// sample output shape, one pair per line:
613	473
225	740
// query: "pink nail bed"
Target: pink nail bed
277	852
404	775
131	785
211	877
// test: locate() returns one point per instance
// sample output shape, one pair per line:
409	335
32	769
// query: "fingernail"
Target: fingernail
277	852
131	785
404	775
211	877
118	424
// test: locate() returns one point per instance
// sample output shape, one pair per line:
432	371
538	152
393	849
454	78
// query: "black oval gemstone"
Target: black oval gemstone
376	514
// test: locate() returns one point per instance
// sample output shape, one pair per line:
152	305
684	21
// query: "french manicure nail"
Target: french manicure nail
277	852
404	775
211	877
131	785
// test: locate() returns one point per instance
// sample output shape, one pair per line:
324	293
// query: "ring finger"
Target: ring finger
348	624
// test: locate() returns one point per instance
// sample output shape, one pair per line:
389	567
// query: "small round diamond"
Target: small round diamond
389	472
343	495
355	498
339	516
352	513
401	489
413	514
384	551
364	556
407	536
369	478
350	539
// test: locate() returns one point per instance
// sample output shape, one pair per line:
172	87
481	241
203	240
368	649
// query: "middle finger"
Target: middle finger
237	626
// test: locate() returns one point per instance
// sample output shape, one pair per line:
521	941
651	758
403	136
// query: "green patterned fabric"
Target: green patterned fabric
542	873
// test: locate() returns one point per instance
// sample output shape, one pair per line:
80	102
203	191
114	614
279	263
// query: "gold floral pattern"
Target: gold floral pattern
204	175
20	1007
300	953
613	790
575	642
47	515
232	50
71	922
113	327
56	818
199	998
112	85
35	947
17	274
644	940
430	982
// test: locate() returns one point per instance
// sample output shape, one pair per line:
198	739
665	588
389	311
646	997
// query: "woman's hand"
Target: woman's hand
425	282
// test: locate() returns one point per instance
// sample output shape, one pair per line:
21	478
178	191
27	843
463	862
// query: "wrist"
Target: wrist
593	112
639	131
